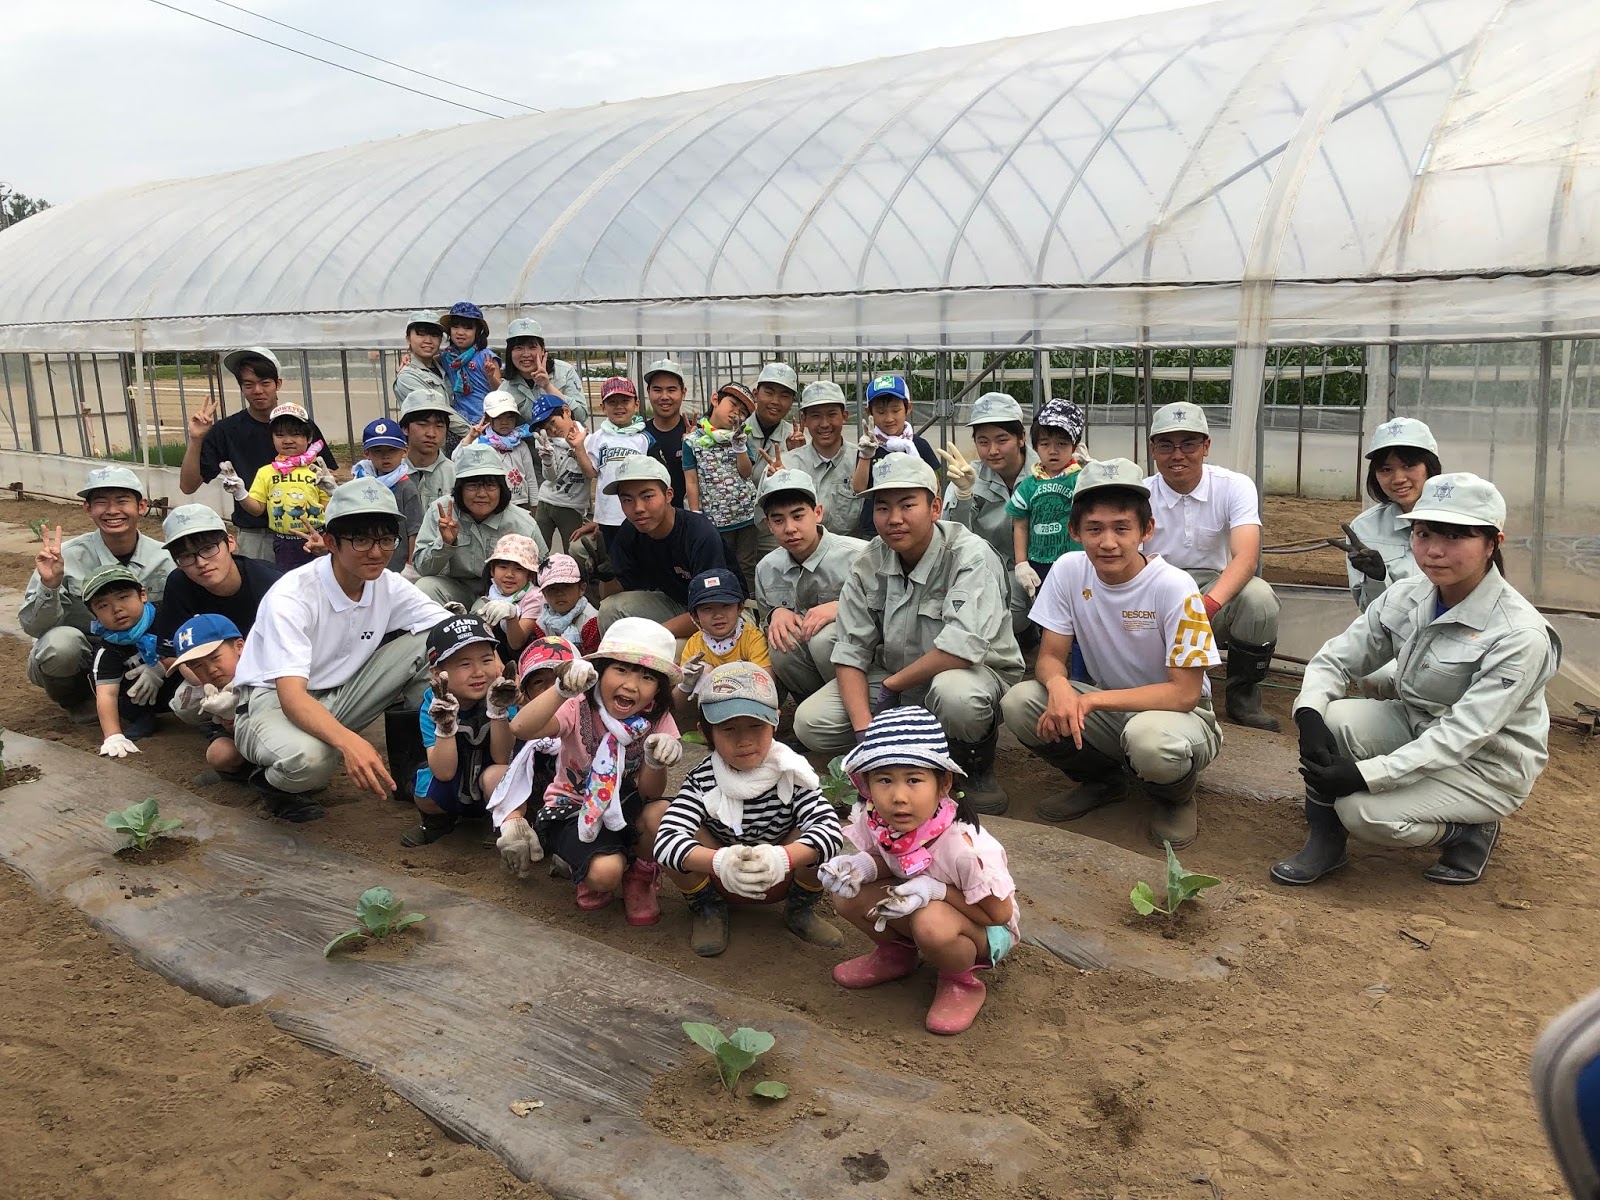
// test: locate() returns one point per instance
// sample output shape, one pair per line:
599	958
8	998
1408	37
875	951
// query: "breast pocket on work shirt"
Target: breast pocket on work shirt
1446	669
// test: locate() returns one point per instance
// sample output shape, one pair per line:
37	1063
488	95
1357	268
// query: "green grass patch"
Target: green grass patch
169	454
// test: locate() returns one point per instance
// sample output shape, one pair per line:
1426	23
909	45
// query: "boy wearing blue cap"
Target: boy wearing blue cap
383	447
724	633
889	406
208	648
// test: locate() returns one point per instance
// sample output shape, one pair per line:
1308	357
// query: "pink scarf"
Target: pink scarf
909	849
602	796
284	465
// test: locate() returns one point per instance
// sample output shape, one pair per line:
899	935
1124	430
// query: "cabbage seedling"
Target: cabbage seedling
142	822
736	1055
837	787
1181	885
379	913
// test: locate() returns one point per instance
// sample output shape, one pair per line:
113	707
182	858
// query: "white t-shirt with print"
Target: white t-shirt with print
1192	528
1130	633
308	628
606	450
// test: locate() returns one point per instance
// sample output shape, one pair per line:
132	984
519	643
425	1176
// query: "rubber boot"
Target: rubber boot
708	926
73	693
591	900
1466	850
887	961
1323	852
1175	818
639	893
286	806
1247	667
800	915
1100	781
956	1000
402	740
982	789
434	826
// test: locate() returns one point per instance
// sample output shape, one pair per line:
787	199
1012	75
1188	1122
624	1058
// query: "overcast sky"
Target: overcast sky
104	93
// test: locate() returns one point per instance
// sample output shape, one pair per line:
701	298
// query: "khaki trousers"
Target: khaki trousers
803	670
966	703
1250	617
1158	747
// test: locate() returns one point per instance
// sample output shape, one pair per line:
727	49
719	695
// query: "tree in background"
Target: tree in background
14	206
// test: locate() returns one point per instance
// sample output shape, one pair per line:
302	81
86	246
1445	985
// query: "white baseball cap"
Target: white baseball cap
1458	498
1110	472
664	366
823	391
1182	417
781	374
499	404
1402	431
995	408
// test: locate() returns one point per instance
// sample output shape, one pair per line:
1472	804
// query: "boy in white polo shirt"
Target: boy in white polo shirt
336	643
1208	522
1142	627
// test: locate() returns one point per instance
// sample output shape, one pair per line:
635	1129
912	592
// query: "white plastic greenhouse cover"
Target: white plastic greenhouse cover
1239	173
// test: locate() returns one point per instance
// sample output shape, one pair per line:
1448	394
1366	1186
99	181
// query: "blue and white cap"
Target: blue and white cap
199	636
1402	431
887	385
907	736
1182	417
383	432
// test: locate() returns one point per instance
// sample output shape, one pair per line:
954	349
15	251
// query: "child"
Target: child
208	647
291	491
1042	503
718	477
533	770
889	406
130	684
612	714
466	732
563	502
750	821
947	895
514	603
383	443
425	421
470	367
509	437
567	611
620	435
723	633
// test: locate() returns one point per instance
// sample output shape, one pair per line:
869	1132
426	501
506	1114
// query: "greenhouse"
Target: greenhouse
1309	215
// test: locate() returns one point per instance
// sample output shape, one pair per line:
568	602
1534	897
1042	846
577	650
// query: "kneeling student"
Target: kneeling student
208	647
1143	629
750	822
130	685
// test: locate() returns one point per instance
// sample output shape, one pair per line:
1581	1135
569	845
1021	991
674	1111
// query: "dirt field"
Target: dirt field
1372	1037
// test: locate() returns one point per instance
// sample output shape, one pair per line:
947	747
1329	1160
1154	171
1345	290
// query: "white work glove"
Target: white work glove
575	678
455	608
740	441
1027	577
662	750
444	710
905	898
963	476
230	481
692	668
497	701
545	449
867	446
845	874
728	865
144	683
519	846
326	479
495	613
219	704
761	868
117	746
899	445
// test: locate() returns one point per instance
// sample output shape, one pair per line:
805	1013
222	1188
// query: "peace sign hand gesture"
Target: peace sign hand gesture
961	474
541	369
48	562
202	419
315	542
796	438
445	708
774	460
449	526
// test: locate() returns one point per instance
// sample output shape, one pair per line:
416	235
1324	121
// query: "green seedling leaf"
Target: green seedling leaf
1181	886
1174	879
1144	900
753	1040
707	1037
734	1055
142	823
736	1061
408	919
771	1089
347	936
693	737
1192	884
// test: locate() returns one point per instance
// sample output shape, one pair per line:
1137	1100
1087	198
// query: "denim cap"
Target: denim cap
995	408
1110	472
99	581
499	404
463	310
721	586
454	634
199	636
105	479
637	468
887	385
424	317
424	400
664	366
478	461
905	736
187	520
786	480
1402	431
781	374
903	471
361	497
524	327
1182	417
823	391
1460	498
230	360
738	689
383	432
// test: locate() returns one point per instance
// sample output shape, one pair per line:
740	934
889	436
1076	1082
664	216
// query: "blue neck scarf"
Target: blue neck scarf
139	635
365	470
506	443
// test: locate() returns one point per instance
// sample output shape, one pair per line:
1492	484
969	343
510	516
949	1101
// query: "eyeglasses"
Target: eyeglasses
361	544
1187	446
201	550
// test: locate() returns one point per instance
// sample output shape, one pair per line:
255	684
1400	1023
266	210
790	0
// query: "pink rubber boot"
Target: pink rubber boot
639	893
888	960
590	900
956	1001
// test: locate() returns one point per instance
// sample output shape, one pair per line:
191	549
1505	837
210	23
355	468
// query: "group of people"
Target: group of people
712	572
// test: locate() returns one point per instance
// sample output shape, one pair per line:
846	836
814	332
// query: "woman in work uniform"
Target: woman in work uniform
1461	744
1403	457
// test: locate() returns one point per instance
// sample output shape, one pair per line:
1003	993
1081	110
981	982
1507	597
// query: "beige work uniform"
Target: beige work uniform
461	572
1382	528
1469	730
954	599
759	441
841	507
781	582
434	482
984	512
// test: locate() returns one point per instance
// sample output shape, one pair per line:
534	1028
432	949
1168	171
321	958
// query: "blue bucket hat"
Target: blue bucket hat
465	311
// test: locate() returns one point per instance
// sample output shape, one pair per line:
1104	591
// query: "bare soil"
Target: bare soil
1372	1037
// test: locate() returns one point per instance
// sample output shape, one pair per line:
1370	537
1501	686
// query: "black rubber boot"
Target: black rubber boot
402	740
434	826
1175	819
286	806
1323	852
1466	850
1247	667
73	693
1101	780
983	790
800	915
708	925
